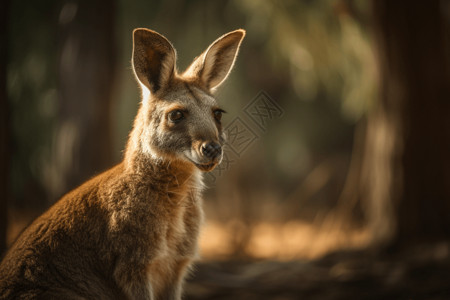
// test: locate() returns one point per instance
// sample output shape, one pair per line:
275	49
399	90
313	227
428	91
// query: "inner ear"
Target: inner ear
154	70
153	59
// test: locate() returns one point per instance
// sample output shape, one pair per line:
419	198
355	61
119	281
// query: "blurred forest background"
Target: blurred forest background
356	161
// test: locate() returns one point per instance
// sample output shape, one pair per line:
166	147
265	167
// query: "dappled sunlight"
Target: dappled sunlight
280	241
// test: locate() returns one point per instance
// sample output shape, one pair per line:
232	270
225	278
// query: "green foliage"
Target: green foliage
326	51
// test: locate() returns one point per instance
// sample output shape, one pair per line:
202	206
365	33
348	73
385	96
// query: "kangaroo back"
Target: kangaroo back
131	232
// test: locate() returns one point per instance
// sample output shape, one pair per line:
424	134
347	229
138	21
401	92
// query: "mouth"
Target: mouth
206	167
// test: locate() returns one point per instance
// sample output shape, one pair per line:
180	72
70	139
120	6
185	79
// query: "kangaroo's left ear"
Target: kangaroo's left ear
212	67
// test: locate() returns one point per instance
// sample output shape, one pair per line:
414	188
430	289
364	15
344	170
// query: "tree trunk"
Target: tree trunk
4	127
405	185
86	73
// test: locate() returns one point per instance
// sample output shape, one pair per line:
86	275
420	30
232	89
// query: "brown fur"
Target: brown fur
131	232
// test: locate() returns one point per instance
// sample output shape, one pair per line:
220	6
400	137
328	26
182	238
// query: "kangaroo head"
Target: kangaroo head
179	118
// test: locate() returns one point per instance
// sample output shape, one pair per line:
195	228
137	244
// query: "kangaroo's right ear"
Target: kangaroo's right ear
153	59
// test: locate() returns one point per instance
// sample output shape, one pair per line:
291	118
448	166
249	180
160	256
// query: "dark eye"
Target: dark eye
218	114
176	116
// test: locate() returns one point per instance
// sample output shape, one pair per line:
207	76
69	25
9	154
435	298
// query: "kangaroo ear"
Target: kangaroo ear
212	67
153	59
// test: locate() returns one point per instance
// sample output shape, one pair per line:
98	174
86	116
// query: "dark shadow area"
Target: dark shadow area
422	274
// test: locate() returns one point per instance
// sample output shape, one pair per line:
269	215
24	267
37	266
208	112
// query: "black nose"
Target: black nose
211	150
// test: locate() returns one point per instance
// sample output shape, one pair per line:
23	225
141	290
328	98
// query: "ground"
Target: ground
422	273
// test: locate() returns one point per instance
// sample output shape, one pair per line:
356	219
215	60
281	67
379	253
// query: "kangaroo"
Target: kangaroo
132	231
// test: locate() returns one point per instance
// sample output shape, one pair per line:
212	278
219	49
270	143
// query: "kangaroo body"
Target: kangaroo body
132	231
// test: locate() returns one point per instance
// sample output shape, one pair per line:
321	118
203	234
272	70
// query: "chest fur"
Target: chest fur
181	226
152	223
178	244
